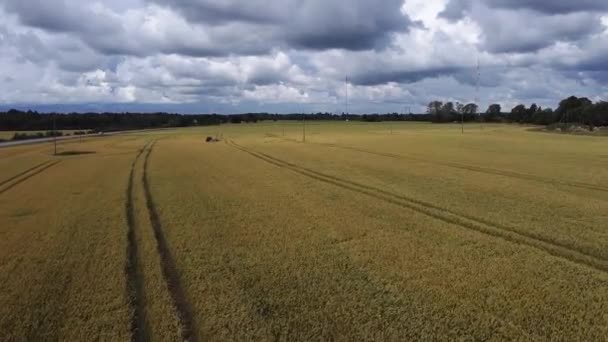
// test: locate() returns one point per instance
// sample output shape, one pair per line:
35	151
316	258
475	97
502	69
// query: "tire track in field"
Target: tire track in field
24	176
168	267
23	172
479	169
465	221
134	276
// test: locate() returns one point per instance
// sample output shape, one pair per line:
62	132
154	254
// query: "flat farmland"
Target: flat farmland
388	231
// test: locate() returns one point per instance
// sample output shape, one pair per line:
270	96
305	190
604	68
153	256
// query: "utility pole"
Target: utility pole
462	120
304	127
54	135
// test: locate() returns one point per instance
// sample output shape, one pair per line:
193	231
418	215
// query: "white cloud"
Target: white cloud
396	53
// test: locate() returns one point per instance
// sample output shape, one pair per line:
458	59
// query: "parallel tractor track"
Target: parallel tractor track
133	273
503	232
25	175
135	279
169	269
478	169
23	172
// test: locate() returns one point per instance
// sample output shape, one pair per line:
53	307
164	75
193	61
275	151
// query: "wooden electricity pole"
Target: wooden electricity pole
462	121
54	135
303	128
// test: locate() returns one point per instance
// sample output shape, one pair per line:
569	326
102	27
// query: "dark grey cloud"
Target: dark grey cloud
491	77
379	76
207	91
353	25
61	16
113	33
261	77
65	53
309	24
257	11
220	28
457	9
551	6
592	63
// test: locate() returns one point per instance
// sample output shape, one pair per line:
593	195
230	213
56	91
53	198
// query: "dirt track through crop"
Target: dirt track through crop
27	174
479	169
476	224
23	172
169	269
133	274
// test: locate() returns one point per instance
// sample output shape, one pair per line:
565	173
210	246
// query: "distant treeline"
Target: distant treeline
572	110
15	120
254	117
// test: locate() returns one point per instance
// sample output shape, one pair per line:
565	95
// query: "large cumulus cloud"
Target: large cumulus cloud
313	24
211	28
289	55
528	26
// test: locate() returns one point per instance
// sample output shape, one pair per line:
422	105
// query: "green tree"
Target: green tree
518	113
448	112
434	107
595	115
571	109
493	112
544	117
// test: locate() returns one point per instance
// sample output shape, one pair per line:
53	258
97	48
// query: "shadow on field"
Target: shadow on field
74	153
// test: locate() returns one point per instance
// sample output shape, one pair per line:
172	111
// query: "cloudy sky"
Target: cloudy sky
226	56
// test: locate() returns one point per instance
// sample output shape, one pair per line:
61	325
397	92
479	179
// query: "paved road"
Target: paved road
70	137
41	140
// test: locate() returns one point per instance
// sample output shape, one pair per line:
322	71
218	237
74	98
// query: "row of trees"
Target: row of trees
15	120
450	112
572	110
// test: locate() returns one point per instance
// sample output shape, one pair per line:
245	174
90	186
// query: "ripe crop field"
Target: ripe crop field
365	232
